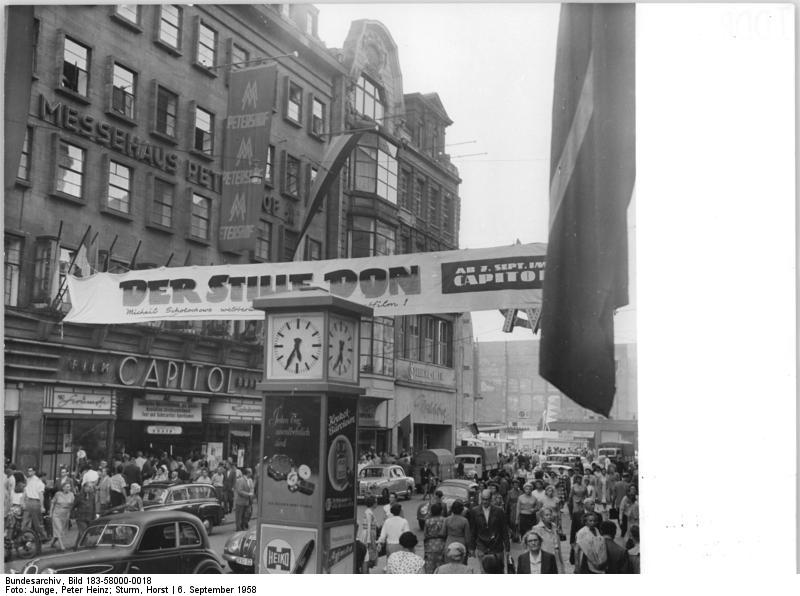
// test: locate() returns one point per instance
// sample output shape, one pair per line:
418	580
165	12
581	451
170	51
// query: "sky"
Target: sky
493	67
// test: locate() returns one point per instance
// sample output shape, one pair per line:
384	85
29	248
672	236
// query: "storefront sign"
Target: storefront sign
418	283
234	410
179	374
165	411
290	476
429	374
65	400
288	550
432	409
124	142
164	430
340	491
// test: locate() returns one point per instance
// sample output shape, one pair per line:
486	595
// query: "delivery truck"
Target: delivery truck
478	461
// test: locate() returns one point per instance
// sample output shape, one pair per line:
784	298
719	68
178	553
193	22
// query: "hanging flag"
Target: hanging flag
335	156
247	130
592	173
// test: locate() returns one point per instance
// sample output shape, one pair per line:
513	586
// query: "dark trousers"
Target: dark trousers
32	517
243	513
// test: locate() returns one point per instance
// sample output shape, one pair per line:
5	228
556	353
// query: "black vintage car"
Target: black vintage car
139	542
198	499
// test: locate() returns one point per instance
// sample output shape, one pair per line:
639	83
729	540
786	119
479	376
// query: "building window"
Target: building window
419	193
119	187
447	213
404	184
317	117
163	201
169	27
239	57
263	250
75	73
123	92
69	177
269	169
294	102
377	345
376	167
201	217
13	253
425	338
44	269
24	169
206	46
433	206
292	185
129	12
166	112
313	172
313	250
369	99
203	131
369	237
311	24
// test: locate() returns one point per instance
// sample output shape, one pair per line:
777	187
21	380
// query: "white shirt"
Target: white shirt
536	563
392	529
34	488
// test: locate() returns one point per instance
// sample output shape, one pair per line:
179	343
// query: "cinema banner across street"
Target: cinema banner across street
420	283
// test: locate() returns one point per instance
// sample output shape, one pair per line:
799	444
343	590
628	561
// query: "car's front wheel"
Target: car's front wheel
208	567
409	492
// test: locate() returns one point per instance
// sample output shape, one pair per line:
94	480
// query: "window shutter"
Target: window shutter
285	101
54	139
104	180
154	104
192	124
196	45
109	83
228	60
59	61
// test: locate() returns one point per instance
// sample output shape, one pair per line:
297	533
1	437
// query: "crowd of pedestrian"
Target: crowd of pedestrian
81	493
583	517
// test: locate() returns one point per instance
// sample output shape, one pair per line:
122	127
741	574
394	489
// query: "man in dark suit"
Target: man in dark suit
488	528
617	556
535	561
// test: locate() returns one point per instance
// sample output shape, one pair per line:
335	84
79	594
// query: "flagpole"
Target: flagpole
61	285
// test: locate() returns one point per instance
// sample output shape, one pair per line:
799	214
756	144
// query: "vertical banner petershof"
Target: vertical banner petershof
247	131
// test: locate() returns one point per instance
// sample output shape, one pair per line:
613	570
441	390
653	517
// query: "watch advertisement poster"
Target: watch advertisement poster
340	549
285	550
290	472
340	481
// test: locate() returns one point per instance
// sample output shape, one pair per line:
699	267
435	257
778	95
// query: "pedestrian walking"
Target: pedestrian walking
549	533
456	559
60	510
527	504
393	528
117	488
103	492
405	560
536	560
85	507
625	509
134	501
591	555
633	550
618	561
457	526
243	499
33	504
435	538
368	533
488	529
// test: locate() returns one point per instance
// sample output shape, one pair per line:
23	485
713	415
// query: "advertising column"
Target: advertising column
340	502
290	490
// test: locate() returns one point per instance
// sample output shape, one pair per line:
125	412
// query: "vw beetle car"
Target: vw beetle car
383	479
239	551
138	542
465	491
198	499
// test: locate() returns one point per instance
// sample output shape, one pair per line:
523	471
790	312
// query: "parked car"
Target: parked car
137	542
465	491
239	551
382	480
198	499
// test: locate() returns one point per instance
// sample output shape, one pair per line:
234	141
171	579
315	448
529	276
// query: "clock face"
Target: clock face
296	346
341	348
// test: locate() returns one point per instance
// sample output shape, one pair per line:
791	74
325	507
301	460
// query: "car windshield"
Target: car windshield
453	492
467	459
152	495
109	535
371	473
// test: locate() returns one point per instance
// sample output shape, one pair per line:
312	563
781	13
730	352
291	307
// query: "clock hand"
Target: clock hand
297	342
